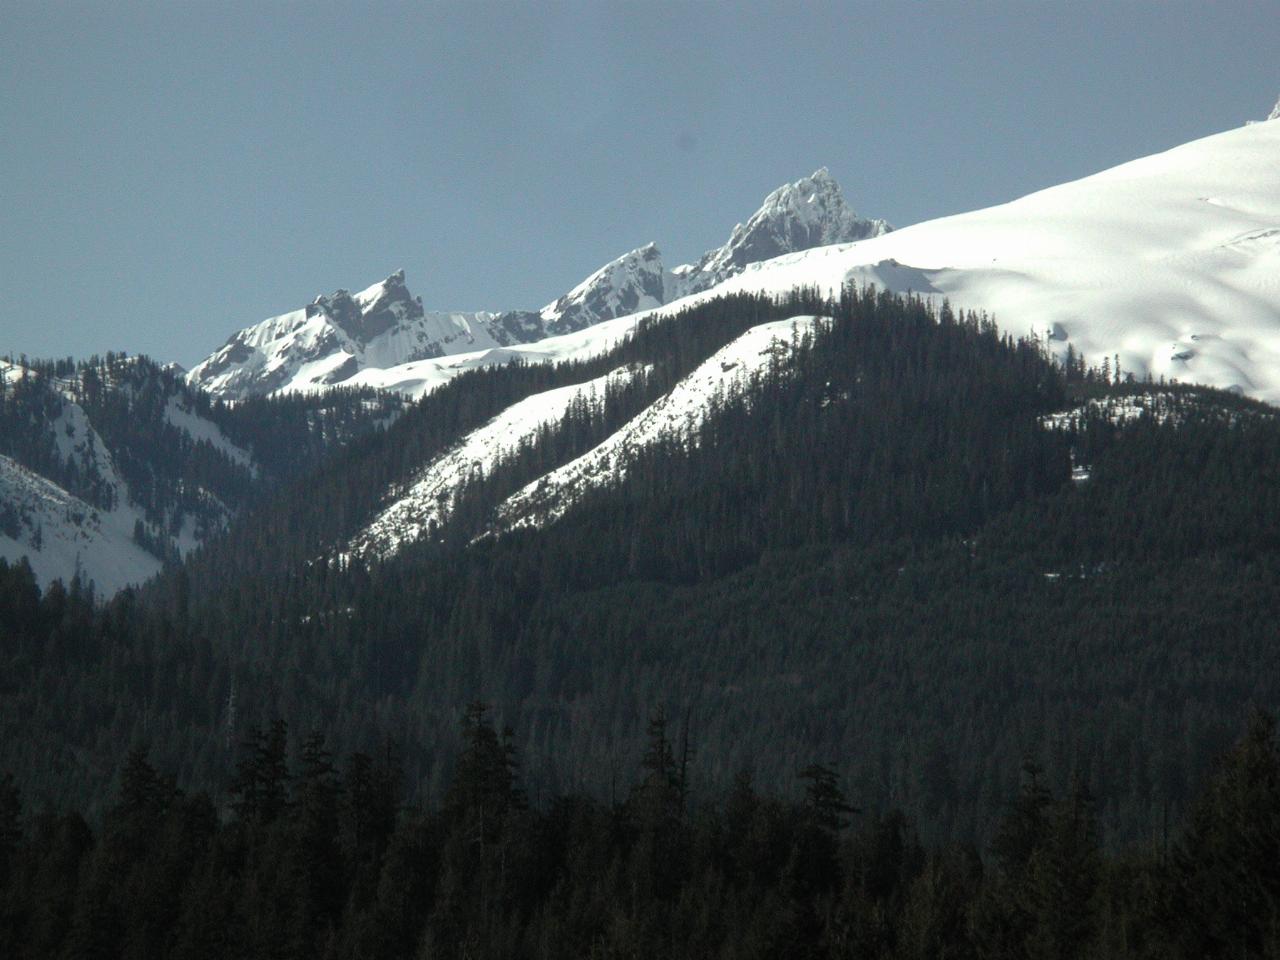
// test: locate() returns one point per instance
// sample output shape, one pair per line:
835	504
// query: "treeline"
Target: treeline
303	856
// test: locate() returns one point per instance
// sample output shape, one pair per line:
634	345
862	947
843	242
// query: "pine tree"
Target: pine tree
1228	865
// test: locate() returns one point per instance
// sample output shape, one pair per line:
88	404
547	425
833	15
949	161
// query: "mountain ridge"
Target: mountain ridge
340	335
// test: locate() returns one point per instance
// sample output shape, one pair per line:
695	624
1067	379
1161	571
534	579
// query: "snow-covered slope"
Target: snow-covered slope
411	513
359	339
675	416
1170	262
180	415
430	498
61	535
66	505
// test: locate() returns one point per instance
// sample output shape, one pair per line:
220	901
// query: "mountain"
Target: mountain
424	507
1166	264
861	546
1160	268
831	529
111	468
797	216
341	335
334	336
82	491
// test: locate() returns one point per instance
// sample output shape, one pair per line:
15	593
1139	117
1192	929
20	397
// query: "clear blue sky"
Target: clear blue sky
170	172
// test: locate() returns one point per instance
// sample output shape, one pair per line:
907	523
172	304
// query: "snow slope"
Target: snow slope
429	500
676	415
1170	262
411	513
60	532
422	376
198	428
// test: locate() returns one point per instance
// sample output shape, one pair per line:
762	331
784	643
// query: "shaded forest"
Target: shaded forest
320	858
873	558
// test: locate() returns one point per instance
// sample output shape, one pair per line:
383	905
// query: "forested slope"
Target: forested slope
874	556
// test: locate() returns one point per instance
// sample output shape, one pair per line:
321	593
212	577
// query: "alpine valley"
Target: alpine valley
938	507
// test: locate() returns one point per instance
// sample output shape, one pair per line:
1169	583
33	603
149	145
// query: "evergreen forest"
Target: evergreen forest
921	644
320	858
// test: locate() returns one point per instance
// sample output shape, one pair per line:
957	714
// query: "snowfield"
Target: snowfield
61	534
58	532
1170	263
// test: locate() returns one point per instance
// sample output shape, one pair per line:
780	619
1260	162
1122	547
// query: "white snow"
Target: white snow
61	532
198	428
629	272
676	415
71	535
1160	405
1171	262
77	442
430	498
311	349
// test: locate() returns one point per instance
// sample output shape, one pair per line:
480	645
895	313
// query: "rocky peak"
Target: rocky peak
811	212
632	282
371	312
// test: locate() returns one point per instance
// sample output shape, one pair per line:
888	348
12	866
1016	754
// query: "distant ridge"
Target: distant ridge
340	335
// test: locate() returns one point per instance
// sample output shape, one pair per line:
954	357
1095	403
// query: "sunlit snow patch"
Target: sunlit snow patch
429	500
678	414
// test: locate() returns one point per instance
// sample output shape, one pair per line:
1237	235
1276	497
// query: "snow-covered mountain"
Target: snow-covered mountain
66	503
1170	263
342	335
675	416
797	216
427	502
335	336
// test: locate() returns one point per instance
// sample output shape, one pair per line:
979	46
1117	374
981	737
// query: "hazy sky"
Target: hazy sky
172	171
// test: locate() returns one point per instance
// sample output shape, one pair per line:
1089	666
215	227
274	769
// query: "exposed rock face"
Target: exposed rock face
797	216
